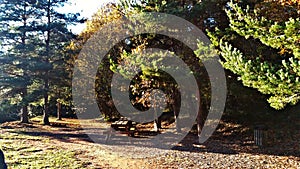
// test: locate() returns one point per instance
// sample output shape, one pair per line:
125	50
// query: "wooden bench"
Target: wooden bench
125	125
122	126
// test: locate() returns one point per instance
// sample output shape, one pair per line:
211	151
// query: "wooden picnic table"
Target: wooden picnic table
125	125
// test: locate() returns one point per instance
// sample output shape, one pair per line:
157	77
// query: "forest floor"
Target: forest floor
65	144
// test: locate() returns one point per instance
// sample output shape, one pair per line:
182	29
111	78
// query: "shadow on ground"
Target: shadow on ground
231	137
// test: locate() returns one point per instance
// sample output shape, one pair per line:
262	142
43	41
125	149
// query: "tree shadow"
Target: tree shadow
231	137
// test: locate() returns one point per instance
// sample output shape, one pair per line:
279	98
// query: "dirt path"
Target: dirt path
70	136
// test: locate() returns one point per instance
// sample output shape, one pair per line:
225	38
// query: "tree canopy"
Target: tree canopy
259	43
272	66
34	37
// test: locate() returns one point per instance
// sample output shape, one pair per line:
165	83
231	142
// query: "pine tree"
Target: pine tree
34	60
16	19
273	68
194	11
55	38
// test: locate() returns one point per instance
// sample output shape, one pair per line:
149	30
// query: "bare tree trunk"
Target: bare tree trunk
46	80
176	109
200	119
24	115
46	116
159	122
156	127
59	113
178	129
24	110
46	110
199	123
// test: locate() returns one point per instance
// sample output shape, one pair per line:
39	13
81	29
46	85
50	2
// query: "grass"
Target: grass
21	152
64	121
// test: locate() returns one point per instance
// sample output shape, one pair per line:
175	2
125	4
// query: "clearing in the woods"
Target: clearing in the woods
65	145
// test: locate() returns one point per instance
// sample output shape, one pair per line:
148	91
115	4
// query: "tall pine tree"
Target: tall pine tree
33	39
54	38
17	36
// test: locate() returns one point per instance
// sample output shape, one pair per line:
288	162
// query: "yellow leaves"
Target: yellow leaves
290	2
103	16
72	46
282	51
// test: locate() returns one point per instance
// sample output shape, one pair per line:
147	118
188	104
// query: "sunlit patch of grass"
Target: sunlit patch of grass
39	119
23	151
54	120
38	158
17	135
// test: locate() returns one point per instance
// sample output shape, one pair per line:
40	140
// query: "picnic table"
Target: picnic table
125	125
122	126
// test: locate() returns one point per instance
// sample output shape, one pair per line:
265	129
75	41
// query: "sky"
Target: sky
86	8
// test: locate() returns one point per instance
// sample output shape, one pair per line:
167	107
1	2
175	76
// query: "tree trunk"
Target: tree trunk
24	110
46	102
178	129
46	118
46	115
175	106
159	123
46	112
199	125
24	115
46	80
156	125
200	119
59	113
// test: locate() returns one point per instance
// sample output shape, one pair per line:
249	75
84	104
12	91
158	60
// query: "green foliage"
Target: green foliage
283	36
194	11
7	112
150	76
17	41
33	61
277	77
109	13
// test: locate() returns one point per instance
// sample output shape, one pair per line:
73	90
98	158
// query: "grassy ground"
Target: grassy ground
22	151
61	145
